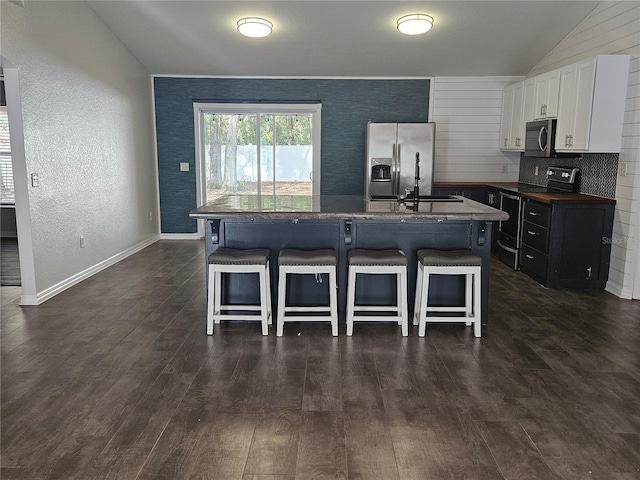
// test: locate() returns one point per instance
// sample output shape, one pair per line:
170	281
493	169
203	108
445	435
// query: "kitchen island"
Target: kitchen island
346	222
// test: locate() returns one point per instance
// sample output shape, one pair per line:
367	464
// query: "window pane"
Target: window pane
294	154
6	169
231	162
230	154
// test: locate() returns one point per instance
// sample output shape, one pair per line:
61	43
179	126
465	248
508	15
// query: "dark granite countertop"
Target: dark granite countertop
341	206
538	193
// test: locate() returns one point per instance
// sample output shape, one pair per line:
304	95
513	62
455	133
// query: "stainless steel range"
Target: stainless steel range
559	179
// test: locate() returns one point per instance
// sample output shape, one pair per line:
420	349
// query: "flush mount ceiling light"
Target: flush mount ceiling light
254	27
415	24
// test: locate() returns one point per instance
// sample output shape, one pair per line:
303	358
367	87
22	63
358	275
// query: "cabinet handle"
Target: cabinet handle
566	140
532	233
571	140
589	273
530	257
533	214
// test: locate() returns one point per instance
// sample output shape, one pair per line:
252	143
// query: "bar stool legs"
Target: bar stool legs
307	262
228	260
381	262
454	262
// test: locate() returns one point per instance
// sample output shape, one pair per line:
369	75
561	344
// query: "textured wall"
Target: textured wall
347	106
612	28
88	134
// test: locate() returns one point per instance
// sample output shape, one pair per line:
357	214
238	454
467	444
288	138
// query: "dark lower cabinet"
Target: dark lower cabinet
567	245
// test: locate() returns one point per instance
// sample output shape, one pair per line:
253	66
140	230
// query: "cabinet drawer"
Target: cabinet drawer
533	263
537	213
534	236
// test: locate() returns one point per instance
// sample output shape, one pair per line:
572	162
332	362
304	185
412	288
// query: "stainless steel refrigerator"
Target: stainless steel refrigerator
391	151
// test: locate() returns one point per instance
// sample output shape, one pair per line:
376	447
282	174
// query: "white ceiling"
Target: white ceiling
341	38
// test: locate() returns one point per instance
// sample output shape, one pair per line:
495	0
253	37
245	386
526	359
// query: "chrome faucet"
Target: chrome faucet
416	185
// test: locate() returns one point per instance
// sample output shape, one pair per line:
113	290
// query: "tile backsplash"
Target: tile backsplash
598	171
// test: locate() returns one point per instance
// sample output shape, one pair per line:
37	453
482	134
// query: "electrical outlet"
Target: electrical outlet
505	168
35	180
81	242
151	216
536	170
184	166
622	169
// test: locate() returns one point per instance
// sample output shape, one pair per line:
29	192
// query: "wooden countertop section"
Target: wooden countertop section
568	198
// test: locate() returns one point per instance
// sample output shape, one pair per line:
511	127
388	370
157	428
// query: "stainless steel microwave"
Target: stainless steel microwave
540	138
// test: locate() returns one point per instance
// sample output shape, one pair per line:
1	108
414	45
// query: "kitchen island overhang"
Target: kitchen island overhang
345	222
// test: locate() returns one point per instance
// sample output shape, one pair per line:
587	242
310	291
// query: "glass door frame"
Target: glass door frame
200	109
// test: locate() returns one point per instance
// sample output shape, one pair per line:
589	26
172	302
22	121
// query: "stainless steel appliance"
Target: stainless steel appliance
399	159
540	139
509	235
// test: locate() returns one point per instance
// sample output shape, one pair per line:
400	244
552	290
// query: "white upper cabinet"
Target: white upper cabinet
528	102
512	122
547	89
507	113
591	106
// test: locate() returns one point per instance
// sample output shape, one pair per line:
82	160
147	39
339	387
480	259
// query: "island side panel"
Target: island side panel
345	234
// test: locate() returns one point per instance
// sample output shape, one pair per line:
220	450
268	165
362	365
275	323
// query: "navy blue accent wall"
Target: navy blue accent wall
347	106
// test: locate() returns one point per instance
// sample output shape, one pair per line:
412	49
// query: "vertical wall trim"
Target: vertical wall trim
21	185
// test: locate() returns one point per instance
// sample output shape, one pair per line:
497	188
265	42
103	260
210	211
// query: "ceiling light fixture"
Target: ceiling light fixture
415	24
254	27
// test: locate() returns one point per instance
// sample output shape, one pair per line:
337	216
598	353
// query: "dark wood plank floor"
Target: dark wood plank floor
115	378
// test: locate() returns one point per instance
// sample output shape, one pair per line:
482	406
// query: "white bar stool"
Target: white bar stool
449	262
307	262
378	262
229	260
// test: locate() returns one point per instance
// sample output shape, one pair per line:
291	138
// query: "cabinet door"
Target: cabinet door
528	102
542	90
505	122
566	108
547	88
516	132
574	111
553	93
585	76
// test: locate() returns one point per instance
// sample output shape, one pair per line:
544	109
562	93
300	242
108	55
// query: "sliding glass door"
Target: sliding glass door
261	150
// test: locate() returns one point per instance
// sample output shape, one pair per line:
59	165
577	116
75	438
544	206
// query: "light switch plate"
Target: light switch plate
184	166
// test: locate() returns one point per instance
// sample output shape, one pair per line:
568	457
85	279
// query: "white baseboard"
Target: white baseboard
618	290
179	236
52	291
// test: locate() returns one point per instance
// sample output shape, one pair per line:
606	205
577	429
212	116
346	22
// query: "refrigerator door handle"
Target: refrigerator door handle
394	170
398	167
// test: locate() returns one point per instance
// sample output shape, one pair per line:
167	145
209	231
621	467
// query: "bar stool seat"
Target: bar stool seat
378	262
230	260
449	262
307	262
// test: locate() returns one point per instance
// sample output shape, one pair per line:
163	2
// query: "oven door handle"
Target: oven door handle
508	249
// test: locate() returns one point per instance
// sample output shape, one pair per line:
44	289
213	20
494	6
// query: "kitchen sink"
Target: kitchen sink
421	198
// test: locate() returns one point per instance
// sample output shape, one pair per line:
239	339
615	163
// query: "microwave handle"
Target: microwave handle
542	129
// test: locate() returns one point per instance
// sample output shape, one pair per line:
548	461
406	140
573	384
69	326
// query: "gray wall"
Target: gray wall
87	124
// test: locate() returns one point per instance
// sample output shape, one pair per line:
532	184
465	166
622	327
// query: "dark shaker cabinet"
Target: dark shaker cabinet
567	245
